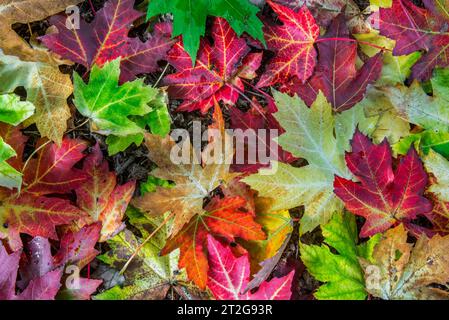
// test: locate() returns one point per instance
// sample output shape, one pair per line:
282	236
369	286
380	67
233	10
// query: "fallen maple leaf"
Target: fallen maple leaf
406	272
228	276
110	106
33	212
336	74
195	176
226	218
75	250
149	276
189	19
106	39
41	274
414	29
319	137
342	272
12	111
47	89
26	11
382	197
218	71
261	121
324	11
293	44
266	254
101	197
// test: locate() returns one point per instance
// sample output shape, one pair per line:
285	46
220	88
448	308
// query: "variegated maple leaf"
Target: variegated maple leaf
409	272
52	172
228	277
293	45
47	89
106	39
218	73
101	197
415	28
26	11
225	218
324	11
383	197
195	174
336	74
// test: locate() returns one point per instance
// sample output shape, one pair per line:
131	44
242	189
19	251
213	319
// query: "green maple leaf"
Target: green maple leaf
9	177
341	271
426	141
438	166
149	276
120	111
415	105
12	111
309	134
189	18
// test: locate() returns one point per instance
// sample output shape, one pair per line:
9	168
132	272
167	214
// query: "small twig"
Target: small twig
144	242
162	74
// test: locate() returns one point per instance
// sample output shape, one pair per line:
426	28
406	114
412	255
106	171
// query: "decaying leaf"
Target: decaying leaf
26	11
47	89
403	271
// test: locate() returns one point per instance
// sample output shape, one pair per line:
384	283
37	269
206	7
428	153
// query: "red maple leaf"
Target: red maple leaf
217	73
382	197
336	74
41	273
226	218
416	29
229	276
293	45
101	197
42	203
106	39
258	118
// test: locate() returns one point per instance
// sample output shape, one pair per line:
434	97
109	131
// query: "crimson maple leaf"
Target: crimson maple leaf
229	276
106	39
416	29
336	74
293	45
42	288
41	273
258	118
101	197
217	73
382	197
226	218
33	210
